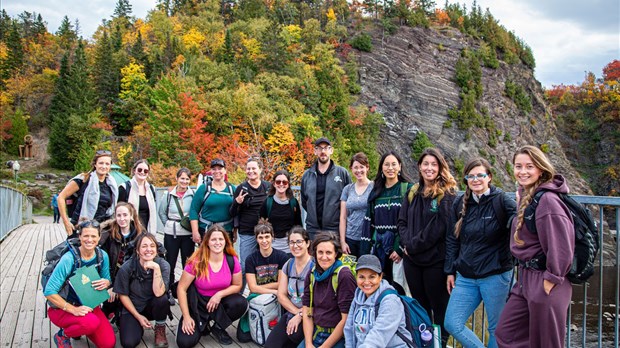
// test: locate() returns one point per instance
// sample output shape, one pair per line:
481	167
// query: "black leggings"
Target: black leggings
428	286
183	243
130	330
279	338
232	306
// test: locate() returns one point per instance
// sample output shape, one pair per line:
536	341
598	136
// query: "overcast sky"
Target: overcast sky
568	37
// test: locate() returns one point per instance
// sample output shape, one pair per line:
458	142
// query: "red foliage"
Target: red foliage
611	71
197	140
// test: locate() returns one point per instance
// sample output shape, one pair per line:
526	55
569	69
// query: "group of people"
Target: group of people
456	252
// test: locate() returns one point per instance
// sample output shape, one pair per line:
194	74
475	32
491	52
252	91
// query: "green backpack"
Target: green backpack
348	261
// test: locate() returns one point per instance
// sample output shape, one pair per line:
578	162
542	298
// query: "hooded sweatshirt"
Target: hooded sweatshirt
366	329
556	234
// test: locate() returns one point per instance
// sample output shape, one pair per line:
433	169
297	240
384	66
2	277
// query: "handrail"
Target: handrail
9	218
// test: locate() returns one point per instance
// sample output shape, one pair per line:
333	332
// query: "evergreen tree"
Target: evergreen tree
15	55
66	34
105	72
5	24
77	100
57	104
123	9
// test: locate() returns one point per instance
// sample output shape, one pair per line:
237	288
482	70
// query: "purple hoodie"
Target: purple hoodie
556	236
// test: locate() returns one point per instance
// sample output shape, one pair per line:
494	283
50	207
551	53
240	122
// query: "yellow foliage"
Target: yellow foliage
279	137
216	41
124	154
180	60
4	51
291	34
129	38
133	80
252	48
193	39
331	16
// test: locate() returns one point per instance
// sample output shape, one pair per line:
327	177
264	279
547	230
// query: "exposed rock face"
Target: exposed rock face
409	77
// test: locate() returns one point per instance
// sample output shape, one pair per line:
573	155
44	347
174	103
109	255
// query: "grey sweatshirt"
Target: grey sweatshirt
365	329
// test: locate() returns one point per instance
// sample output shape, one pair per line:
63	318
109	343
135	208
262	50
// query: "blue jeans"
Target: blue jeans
466	297
247	245
320	338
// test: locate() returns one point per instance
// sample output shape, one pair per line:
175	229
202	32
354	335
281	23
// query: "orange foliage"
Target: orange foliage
611	71
197	140
162	176
442	17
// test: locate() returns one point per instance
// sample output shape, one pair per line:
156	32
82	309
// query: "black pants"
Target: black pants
428	286
232	306
173	245
130	330
279	338
354	245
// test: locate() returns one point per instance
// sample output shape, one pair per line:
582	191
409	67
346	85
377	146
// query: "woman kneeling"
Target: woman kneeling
209	290
141	284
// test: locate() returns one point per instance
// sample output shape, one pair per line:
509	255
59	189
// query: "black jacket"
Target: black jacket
483	246
422	227
114	247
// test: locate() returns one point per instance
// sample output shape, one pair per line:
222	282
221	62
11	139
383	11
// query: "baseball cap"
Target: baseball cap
319	141
370	262
218	162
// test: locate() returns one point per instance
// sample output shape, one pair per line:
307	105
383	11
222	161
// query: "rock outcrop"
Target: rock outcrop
409	78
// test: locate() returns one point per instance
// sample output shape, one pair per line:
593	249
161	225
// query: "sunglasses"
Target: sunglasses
477	176
88	223
281	182
142	170
103	153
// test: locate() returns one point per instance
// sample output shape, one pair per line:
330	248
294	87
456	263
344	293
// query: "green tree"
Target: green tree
122	9
106	75
19	128
15	55
66	34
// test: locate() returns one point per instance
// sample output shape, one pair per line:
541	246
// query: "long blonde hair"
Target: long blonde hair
200	257
541	162
476	162
444	182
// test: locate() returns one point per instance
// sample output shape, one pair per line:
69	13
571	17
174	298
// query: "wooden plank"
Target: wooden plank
25	320
41	326
8	323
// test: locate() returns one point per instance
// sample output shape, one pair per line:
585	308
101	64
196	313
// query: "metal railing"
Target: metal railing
594	305
11	218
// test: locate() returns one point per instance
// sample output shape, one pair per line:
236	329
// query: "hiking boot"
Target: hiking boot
62	341
221	335
160	336
243	337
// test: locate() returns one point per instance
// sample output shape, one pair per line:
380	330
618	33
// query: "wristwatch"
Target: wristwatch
300	314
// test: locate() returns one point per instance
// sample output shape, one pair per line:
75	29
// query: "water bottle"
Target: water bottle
426	336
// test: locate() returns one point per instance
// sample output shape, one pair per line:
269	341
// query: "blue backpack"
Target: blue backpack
415	315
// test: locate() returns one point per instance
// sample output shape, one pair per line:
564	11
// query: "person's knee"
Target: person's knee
89	324
185	341
130	340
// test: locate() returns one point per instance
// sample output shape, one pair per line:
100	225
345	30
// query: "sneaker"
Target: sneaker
62	341
160	336
243	337
221	335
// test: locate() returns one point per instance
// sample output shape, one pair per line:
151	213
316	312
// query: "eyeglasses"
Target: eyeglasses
142	170
88	223
477	176
281	182
322	148
103	153
298	242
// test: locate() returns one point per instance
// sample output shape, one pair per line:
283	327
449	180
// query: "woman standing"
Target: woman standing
141	195
212	203
381	220
478	253
288	333
176	238
89	199
353	205
422	225
141	284
209	290
535	314
116	236
281	209
325	308
249	197
73	318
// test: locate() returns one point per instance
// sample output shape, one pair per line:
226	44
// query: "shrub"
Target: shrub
362	42
518	95
420	143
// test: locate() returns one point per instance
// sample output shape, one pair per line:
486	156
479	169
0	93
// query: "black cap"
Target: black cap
320	141
218	162
370	262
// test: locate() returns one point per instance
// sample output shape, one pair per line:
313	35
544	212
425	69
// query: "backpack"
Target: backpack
53	256
348	261
127	186
415	316
72	201
586	236
264	313
292	203
208	188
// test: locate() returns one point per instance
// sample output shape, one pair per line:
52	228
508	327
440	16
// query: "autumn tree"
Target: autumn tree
12	62
611	71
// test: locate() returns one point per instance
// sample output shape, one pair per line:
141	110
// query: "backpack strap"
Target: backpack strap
127	186
400	335
412	191
529	216
231	264
269	203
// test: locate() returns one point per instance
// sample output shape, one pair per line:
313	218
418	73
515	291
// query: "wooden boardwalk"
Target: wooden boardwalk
23	321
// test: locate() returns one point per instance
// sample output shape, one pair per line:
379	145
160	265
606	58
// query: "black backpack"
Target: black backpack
53	256
586	236
71	202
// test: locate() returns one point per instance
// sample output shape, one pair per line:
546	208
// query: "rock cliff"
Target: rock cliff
409	78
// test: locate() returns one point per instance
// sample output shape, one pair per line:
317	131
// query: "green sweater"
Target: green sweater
216	209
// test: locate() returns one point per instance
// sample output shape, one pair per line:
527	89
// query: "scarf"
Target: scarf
134	199
90	199
319	277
